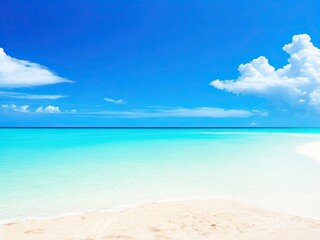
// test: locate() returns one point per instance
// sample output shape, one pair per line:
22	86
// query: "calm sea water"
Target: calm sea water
48	172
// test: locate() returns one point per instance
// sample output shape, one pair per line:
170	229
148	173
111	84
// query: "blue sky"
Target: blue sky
159	63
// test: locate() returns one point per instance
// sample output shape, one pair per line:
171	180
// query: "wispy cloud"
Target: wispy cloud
161	112
297	83
201	112
204	112
119	101
15	73
29	96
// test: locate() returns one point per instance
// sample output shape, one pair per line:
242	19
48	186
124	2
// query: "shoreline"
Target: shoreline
121	208
216	217
311	150
181	219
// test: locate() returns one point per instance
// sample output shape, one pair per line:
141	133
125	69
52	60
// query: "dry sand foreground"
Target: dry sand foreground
194	219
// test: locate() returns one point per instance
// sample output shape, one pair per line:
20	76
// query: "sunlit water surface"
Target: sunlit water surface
48	172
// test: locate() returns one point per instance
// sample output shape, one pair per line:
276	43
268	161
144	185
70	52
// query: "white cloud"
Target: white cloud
260	113
29	96
202	112
24	108
41	109
13	107
205	112
15	73
71	111
253	124
297	83
7	106
119	101
315	98
48	109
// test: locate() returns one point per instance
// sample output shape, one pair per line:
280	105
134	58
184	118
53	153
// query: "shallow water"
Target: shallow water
48	172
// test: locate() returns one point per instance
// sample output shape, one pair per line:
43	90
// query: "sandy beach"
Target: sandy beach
193	219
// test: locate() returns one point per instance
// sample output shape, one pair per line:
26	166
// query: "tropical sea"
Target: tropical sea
55	171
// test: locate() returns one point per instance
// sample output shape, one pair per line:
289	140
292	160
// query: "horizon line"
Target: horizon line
145	127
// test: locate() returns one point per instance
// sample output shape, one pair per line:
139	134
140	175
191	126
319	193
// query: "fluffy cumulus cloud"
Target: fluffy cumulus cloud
119	101
297	83
7	106
24	108
35	110
15	73
13	107
48	109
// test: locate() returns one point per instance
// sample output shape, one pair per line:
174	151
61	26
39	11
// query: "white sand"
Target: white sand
311	150
194	219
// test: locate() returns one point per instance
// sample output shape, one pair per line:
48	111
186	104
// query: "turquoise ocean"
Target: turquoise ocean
50	172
